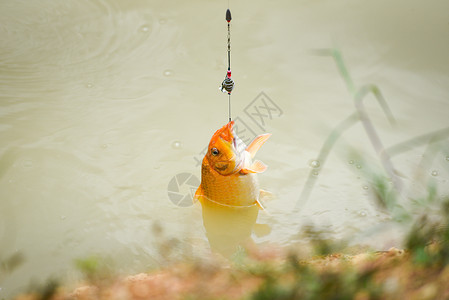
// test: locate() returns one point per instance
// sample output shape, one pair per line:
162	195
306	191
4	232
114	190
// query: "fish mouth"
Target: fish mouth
227	132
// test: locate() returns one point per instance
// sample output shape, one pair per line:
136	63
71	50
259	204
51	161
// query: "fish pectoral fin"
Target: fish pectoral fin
258	203
257	143
256	167
198	194
265	195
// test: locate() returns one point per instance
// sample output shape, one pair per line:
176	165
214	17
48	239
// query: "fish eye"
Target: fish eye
214	151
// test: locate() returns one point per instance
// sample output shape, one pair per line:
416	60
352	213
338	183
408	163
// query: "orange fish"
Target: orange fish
228	174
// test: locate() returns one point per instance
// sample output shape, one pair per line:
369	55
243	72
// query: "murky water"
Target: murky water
104	103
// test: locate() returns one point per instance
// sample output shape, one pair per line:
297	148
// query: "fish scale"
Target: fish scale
233	190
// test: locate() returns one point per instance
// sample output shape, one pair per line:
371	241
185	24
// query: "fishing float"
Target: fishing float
228	84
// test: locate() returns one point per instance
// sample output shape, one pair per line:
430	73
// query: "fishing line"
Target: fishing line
229	106
228	84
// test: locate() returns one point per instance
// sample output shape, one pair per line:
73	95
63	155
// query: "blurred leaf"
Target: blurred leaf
49	289
13	262
96	269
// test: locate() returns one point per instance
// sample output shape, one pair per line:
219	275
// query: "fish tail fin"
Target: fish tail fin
257	143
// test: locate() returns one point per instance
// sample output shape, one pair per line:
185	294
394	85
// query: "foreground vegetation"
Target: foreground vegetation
419	272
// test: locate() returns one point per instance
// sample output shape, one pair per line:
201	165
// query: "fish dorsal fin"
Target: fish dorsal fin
256	167
257	143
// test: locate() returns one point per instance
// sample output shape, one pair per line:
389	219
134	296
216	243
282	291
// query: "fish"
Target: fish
229	192
228	172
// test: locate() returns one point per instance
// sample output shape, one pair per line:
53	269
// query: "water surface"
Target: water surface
103	103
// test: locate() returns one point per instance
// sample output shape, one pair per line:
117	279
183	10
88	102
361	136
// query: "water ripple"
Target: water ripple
84	38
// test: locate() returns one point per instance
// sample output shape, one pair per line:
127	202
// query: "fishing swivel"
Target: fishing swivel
228	84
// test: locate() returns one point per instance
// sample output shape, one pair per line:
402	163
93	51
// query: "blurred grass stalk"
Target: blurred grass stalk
360	114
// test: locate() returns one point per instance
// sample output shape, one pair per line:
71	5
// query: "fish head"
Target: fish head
225	151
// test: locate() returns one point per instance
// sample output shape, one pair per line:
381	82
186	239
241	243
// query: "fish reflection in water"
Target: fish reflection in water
229	192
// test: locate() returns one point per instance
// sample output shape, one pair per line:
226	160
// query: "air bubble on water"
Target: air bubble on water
176	145
365	187
168	73
351	162
358	166
105	146
362	213
144	28
63	218
447	158
434	173
315	164
89	85
27	163
315	173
